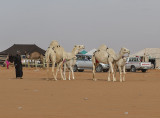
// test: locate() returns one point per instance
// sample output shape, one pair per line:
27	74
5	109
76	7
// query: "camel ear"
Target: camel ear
75	45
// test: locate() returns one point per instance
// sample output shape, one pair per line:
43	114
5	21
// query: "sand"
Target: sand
34	97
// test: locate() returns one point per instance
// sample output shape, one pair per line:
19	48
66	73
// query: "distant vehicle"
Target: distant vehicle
85	62
134	63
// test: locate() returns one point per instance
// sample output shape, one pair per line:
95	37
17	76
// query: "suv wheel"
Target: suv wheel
80	70
133	69
105	70
99	68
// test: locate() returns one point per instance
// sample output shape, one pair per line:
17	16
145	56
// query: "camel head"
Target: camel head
125	51
79	47
54	43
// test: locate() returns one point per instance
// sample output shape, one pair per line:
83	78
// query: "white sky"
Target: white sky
134	24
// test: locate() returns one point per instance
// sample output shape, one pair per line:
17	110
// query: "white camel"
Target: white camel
56	53
116	58
72	60
120	65
107	56
51	55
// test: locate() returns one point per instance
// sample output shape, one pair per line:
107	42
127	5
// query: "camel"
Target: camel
50	55
56	54
116	58
107	56
34	56
72	61
120	65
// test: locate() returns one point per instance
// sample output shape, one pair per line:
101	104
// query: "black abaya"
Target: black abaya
18	66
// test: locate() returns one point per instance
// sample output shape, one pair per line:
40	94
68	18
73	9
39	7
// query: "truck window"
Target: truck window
130	59
79	57
134	59
137	59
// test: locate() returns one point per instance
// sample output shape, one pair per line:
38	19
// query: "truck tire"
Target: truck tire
99	68
75	68
143	70
133	69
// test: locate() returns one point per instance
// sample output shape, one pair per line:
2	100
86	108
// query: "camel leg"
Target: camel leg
72	72
124	72
53	65
69	77
120	73
64	71
109	71
112	71
47	70
115	70
61	71
57	70
94	67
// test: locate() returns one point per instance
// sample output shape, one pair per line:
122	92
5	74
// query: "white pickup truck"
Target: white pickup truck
134	63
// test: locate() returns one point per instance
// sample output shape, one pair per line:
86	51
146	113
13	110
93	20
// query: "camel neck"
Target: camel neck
119	56
74	51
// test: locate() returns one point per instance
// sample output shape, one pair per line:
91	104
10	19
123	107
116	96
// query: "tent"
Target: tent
29	48
83	52
91	52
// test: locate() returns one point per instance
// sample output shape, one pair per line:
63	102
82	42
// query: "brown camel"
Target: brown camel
35	56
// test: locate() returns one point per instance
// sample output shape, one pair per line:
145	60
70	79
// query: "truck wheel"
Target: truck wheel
75	68
133	69
99	68
143	70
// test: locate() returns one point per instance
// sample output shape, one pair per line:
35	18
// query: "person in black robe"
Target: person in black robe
18	65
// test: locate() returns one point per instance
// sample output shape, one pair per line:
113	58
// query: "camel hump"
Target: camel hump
103	47
35	55
54	43
111	51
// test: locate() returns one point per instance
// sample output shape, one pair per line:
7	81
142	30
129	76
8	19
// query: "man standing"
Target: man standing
18	65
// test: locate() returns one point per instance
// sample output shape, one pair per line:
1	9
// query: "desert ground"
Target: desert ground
35	97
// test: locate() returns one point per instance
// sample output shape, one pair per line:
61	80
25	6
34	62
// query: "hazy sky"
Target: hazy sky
134	24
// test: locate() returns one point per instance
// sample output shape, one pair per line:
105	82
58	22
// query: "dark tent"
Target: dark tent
29	48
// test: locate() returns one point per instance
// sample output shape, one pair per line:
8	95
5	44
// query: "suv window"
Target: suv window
87	58
83	57
79	57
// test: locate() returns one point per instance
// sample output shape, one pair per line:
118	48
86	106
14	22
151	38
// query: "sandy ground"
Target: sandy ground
34	97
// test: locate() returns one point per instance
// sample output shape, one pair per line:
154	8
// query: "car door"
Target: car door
80	61
87	62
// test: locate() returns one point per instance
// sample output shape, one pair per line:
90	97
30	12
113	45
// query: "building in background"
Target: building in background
23	48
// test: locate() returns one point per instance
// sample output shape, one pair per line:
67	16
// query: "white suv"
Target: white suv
85	62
